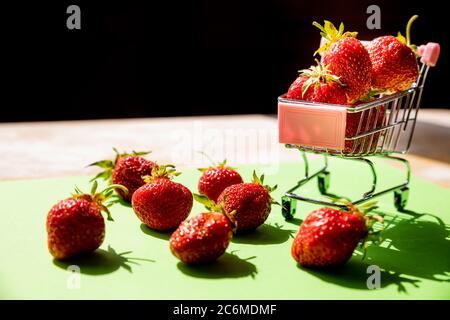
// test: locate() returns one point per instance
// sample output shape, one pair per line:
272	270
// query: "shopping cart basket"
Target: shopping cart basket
382	128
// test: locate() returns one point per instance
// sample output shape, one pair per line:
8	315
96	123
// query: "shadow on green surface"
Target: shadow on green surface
411	248
295	221
154	233
101	262
354	275
265	234
415	247
227	266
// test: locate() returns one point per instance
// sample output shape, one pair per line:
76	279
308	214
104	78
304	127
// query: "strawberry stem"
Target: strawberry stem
100	198
316	75
214	164
115	186
203	153
408	29
331	34
163	171
212	206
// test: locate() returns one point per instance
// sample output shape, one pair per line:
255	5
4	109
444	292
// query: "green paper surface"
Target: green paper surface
136	263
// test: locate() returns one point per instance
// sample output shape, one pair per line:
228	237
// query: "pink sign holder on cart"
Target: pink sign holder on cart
312	125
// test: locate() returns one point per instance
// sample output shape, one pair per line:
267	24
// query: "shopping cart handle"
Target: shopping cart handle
429	53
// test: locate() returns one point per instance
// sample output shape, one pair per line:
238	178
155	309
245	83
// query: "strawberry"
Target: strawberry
162	204
346	58
202	238
75	225
394	62
319	85
215	179
328	237
247	205
127	169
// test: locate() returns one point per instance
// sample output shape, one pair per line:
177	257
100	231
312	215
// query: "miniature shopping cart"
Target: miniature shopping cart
380	128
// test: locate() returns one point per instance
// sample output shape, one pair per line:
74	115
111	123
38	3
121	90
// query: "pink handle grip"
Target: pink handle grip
429	53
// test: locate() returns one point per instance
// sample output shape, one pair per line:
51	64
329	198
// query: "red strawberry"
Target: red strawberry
319	85
202	238
347	58
328	237
127	169
247	205
215	179
394	62
162	204
75	225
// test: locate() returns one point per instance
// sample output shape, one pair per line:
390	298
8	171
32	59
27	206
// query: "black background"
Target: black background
173	58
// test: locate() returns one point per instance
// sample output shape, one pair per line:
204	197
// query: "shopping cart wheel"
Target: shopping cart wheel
401	198
323	180
288	207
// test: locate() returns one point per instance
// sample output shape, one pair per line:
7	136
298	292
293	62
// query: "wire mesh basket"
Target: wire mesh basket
382	127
